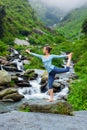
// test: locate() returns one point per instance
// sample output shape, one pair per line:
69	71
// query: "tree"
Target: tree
2	17
84	27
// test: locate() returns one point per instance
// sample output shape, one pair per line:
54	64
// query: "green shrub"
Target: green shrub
78	94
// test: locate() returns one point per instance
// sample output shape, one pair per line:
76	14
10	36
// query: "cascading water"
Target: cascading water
33	92
32	89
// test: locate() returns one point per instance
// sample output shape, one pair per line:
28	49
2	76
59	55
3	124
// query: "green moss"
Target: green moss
27	109
12	83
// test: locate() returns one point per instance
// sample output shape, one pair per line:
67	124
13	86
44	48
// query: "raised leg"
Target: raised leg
69	60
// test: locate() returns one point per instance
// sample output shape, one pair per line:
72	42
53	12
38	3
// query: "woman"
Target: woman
51	69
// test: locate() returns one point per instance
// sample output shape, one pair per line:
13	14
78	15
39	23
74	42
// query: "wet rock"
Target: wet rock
55	90
14	77
2	88
14	96
10	94
7	91
29	71
24	84
44	77
10	68
44	87
30	74
59	107
4	77
56	85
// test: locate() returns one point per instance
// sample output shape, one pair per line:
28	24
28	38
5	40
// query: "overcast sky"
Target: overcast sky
66	4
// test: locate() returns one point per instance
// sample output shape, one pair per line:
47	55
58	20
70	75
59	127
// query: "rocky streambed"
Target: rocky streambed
29	88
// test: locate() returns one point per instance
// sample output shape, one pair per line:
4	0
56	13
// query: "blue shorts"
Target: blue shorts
53	73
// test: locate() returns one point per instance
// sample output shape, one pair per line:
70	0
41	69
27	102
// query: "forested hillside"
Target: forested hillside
20	21
72	22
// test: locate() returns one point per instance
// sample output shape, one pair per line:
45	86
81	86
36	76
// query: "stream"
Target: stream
31	89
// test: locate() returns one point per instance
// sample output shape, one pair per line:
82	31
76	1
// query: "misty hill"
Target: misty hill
72	22
49	15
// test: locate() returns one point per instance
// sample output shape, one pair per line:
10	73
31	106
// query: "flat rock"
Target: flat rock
58	106
40	121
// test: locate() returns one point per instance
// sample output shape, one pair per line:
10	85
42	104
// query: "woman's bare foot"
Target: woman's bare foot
50	100
69	60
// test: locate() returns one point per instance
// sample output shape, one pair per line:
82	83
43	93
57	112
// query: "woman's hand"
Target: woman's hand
28	51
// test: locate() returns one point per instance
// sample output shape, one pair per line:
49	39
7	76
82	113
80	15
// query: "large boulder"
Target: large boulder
7	91
58	107
10	94
21	42
4	77
14	97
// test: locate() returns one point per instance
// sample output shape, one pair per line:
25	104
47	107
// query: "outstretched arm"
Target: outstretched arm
34	54
59	56
62	56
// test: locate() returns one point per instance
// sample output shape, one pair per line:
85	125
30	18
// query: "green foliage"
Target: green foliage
84	27
78	94
12	83
2	19
20	20
3	48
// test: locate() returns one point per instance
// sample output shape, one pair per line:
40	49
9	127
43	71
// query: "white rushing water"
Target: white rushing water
33	92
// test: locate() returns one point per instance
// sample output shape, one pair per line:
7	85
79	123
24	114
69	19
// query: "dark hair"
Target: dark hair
48	48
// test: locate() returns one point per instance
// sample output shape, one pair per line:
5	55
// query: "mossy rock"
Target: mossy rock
30	74
44	77
14	96
7	91
58	107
